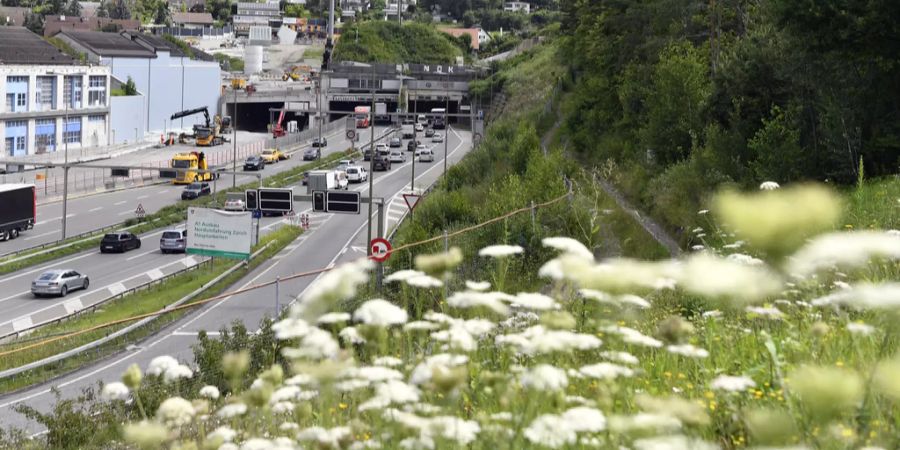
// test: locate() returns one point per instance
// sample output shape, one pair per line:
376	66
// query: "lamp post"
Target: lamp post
446	125
371	161
66	142
234	140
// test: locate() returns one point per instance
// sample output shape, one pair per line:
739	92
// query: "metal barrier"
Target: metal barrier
118	226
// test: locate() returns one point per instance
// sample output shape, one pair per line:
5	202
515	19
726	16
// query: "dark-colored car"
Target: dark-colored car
411	146
396	143
429	132
121	242
383	160
367	154
254	163
195	190
320	142
312	154
305	178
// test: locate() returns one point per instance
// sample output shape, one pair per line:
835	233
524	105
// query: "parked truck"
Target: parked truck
326	180
18	208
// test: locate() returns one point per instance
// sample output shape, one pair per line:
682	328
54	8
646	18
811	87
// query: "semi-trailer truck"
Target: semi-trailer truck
18	208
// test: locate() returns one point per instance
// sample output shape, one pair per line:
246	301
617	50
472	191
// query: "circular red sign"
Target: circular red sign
380	249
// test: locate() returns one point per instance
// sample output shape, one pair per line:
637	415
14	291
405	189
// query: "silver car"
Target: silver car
173	241
59	282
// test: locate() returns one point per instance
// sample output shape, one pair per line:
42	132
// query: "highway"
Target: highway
110	273
332	240
95	211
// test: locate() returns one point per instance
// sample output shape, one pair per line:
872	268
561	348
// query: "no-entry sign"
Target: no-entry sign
380	249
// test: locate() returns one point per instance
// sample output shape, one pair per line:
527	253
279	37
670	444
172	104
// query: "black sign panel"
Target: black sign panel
276	200
167	173
318	201
342	202
119	172
251	199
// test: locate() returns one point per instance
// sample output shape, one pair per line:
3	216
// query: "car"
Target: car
420	149
425	155
382	160
254	163
312	154
273	155
345	163
395	143
397	156
234	204
411	146
320	142
421	119
381	146
429	132
120	241
420	128
367	154
438	137
195	190
59	282
356	174
173	241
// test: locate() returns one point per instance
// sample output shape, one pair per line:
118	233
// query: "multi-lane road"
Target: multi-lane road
332	239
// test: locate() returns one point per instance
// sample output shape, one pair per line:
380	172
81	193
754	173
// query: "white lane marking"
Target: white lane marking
14	296
155	274
41	235
23	323
116	288
120	203
143	197
140	255
73	305
125	212
189	261
95	209
54	264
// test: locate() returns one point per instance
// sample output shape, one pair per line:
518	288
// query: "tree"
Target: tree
35	23
73	9
102	10
294	10
220	9
162	14
129	87
119	10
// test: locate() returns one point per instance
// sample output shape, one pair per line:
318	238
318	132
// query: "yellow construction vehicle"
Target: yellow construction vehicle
192	160
204	135
238	83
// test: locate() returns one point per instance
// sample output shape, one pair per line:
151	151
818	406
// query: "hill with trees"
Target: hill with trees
388	42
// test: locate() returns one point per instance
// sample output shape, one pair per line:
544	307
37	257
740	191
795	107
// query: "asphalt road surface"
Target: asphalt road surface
333	239
96	211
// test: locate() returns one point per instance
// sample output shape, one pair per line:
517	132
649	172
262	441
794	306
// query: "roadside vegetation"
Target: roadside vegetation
388	42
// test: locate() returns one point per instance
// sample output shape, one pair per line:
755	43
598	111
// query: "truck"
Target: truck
192	160
437	118
326	180
381	114
18	208
408	129
362	116
209	134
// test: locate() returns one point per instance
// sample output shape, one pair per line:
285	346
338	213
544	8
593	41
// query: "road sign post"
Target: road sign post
380	249
139	211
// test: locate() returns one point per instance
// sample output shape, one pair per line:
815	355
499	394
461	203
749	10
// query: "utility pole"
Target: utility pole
371	161
234	140
319	108
66	164
412	180
446	124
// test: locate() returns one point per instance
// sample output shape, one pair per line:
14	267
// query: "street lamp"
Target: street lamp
65	140
234	139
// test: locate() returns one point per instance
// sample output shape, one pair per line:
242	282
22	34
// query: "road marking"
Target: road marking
155	274
48	266
120	203
139	255
14	296
95	209
189	261
143	197
40	235
73	305
22	324
116	288
125	212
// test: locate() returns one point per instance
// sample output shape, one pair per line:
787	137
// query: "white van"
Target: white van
327	180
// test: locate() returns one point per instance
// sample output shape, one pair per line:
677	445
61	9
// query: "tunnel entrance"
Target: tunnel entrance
257	117
425	107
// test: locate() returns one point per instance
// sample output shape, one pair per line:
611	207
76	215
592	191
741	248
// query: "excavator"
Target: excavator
278	129
206	135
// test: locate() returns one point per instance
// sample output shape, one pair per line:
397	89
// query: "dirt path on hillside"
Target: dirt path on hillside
647	223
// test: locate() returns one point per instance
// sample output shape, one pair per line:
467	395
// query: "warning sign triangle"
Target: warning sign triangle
140	209
411	200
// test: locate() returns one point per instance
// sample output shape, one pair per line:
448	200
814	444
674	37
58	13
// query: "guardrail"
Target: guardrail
4	334
118	226
115	335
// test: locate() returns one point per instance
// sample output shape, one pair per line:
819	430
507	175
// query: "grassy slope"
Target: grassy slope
388	42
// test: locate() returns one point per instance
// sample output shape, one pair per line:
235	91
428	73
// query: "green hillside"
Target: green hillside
388	42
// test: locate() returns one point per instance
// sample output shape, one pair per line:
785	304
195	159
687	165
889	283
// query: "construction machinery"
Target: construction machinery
278	129
191	160
206	135
238	83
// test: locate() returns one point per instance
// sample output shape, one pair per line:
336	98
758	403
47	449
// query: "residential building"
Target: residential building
169	80
517	6
192	20
187	5
349	8
250	14
55	24
13	16
478	36
51	101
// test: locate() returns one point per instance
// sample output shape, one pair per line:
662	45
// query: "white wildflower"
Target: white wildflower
417	443
352	385
317	344
769	186
338	283
500	251
861	329
177	372
675	442
210	392
478	286
531	300
550	431
423	371
471	299
537	340
420	325
688	350
288	426
290	328
745	259
351	335
731	383
503	416
622	357
373	373
584	419
545	378
552	269
380	312
325	437
232	410
457	337
632	336
403	275
698	247
703	212
606	371
424	282
390	393
301	379
282	407
333	317
115	391
844	249
160	364
712	314
175	411
644	421
224	432
387	361
284	394
865	295
715	277
568	245
765	311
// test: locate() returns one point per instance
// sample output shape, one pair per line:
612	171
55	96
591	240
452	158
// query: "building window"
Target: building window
71	96
72	131
16	133
97	118
45	95
17	94
45	135
10	102
97	91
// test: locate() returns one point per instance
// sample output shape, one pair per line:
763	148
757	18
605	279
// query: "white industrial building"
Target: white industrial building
168	80
51	101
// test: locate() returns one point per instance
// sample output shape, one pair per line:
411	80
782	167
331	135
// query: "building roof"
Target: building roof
192	18
55	24
20	46
13	15
457	32
254	6
108	44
